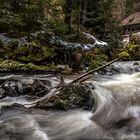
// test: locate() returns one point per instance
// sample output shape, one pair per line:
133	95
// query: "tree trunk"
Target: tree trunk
29	18
84	12
68	10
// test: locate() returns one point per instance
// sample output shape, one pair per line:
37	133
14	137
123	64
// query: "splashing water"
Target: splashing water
97	42
127	67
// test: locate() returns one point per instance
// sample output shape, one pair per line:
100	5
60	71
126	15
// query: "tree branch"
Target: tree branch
92	71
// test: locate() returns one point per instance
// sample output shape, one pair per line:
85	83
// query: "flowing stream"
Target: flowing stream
115	114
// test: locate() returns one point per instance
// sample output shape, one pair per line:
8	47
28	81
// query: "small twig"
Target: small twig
62	82
46	101
44	97
41	83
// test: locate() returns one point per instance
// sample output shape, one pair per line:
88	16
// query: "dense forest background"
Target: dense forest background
26	27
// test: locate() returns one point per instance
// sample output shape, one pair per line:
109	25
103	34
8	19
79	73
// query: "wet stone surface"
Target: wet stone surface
15	88
71	96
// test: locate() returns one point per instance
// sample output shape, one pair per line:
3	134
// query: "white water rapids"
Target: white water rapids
116	114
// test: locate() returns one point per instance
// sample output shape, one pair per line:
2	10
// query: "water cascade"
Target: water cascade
127	67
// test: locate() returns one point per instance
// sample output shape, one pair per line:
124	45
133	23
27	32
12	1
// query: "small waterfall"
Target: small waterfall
97	42
7	40
127	67
60	42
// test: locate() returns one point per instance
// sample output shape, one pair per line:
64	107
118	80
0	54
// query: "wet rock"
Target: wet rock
64	69
136	63
13	89
70	97
77	96
11	65
39	89
7	40
18	88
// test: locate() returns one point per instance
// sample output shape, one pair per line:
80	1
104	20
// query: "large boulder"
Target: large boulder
70	96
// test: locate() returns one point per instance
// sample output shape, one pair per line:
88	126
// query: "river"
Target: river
115	114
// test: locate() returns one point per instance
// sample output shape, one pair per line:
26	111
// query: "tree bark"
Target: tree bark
29	18
68	10
84	12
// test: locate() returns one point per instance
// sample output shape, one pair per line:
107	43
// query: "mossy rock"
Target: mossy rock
135	39
10	65
70	97
44	38
32	52
131	51
98	60
124	54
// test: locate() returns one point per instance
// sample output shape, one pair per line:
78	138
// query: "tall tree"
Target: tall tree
68	11
22	16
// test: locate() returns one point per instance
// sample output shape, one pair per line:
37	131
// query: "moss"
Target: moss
8	50
1	60
9	65
131	51
60	28
135	39
32	52
7	23
43	38
32	67
98	60
124	54
27	57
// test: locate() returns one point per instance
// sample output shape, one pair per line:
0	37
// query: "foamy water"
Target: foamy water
116	115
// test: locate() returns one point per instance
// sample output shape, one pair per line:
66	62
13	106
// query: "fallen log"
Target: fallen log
94	70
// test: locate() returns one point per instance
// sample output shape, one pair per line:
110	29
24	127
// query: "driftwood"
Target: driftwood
94	70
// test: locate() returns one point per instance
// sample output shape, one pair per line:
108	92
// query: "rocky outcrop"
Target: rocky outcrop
15	88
